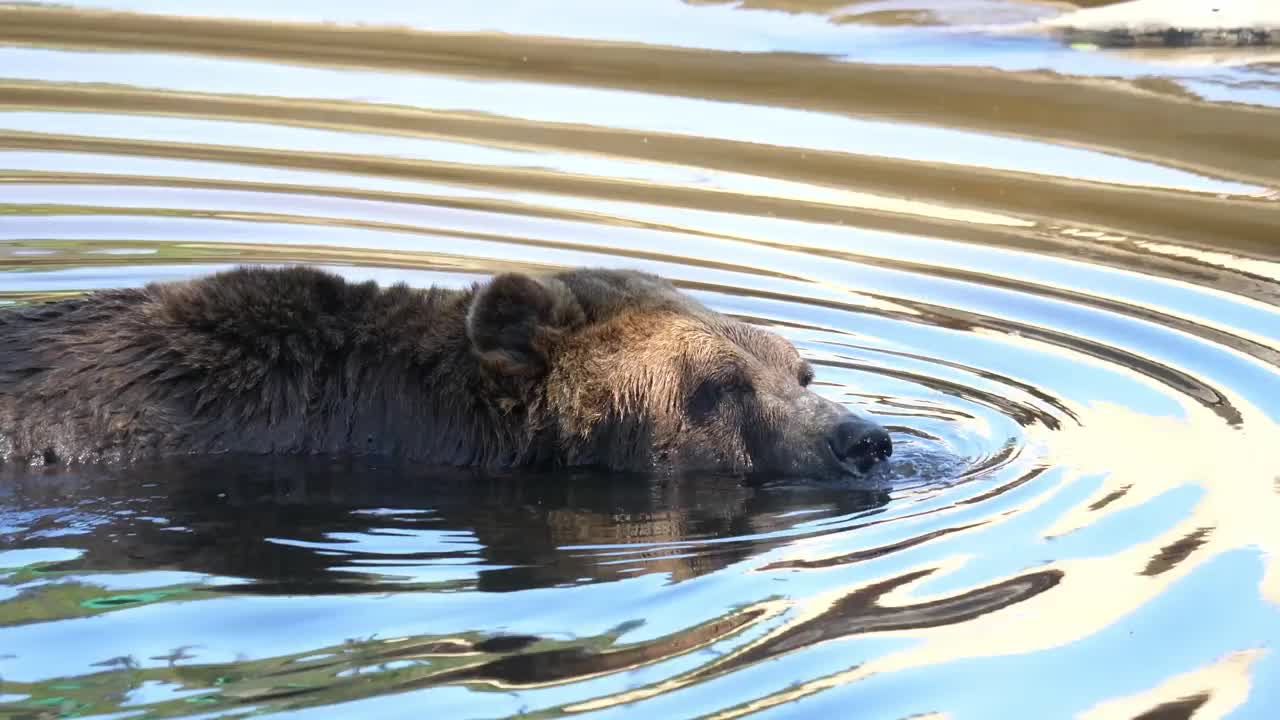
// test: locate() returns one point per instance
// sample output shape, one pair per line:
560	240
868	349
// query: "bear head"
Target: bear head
618	369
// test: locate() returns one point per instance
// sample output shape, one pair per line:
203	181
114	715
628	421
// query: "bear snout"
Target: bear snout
822	439
859	443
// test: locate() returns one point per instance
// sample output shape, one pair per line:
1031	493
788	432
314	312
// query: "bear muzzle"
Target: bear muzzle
823	439
860	443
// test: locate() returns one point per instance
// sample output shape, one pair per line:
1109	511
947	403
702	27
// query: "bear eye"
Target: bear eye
805	375
708	395
705	398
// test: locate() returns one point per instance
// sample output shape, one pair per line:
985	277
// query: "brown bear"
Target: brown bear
607	368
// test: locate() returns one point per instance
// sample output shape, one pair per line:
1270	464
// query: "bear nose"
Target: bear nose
861	444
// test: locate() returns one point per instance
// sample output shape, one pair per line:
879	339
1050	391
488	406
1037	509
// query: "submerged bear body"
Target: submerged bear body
614	369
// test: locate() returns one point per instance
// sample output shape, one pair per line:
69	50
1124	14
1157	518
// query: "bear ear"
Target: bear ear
515	319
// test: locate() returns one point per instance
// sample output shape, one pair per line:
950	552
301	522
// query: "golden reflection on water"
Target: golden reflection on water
1237	509
1213	691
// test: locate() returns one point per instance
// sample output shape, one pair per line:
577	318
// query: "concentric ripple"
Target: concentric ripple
1052	274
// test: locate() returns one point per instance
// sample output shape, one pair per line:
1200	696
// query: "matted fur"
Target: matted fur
584	367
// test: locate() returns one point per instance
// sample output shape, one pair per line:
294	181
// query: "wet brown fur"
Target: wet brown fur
584	367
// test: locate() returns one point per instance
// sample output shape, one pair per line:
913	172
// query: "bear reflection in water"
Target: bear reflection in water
295	524
584	368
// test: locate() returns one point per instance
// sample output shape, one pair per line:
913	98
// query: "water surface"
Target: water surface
1052	273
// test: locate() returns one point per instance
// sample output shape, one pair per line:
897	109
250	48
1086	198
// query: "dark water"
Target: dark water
1054	274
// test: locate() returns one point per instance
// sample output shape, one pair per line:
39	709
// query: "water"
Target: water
1052	274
